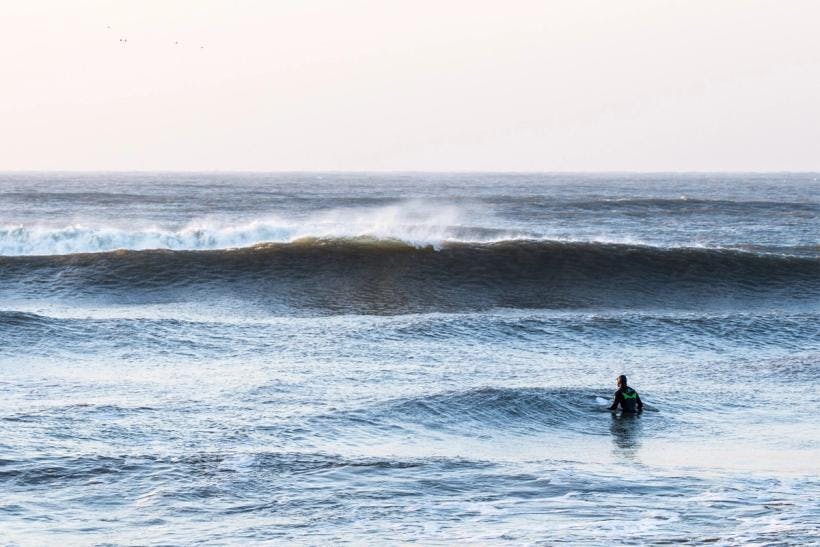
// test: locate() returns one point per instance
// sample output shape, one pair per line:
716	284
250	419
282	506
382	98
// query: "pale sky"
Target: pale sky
515	85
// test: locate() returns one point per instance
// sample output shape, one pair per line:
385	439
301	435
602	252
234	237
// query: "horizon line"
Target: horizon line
415	171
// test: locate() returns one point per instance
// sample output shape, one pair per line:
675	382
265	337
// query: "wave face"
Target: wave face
383	277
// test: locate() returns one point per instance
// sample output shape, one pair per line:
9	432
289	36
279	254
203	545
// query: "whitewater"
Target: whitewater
310	358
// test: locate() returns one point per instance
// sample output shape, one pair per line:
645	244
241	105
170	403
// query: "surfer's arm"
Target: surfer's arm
639	402
615	401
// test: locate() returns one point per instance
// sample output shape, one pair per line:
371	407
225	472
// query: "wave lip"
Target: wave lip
415	223
22	241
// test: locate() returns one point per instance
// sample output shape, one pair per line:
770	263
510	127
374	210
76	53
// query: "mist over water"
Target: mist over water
314	358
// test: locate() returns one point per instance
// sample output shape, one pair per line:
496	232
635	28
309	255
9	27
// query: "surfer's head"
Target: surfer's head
621	380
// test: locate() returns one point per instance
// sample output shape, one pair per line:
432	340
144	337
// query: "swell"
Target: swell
386	277
28	334
62	470
481	413
685	204
474	412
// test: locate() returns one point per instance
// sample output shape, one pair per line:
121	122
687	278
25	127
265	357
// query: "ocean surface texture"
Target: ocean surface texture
314	358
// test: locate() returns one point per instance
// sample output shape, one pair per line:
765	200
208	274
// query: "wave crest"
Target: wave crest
416	224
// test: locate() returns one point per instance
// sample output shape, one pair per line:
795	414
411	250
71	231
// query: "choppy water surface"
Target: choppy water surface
306	358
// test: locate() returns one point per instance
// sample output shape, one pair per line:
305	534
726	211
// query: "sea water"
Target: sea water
386	358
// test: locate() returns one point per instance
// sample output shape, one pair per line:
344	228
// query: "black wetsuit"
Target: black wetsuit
629	400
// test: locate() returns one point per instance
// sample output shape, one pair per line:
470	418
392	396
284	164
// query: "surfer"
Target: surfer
627	397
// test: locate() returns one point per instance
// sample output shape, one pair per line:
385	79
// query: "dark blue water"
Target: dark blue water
307	358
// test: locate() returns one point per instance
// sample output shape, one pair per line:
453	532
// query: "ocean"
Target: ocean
322	358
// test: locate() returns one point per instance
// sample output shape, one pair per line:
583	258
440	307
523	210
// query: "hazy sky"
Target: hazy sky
410	85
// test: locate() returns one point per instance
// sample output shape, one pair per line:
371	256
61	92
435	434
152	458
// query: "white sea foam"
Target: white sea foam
414	223
417	223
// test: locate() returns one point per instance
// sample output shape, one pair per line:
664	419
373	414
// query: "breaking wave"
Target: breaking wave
416	224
